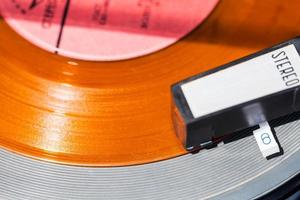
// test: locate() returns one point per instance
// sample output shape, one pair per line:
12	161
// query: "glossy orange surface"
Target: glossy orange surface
119	113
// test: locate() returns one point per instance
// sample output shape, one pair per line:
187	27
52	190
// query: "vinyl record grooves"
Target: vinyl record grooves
86	113
118	113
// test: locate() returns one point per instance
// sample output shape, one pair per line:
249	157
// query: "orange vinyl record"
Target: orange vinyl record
95	110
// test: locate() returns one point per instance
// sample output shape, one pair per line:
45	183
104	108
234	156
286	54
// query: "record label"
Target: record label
104	30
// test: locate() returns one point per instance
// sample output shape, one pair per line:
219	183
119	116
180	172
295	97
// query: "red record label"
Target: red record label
104	30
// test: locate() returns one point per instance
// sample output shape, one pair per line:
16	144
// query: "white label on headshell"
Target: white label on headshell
258	77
